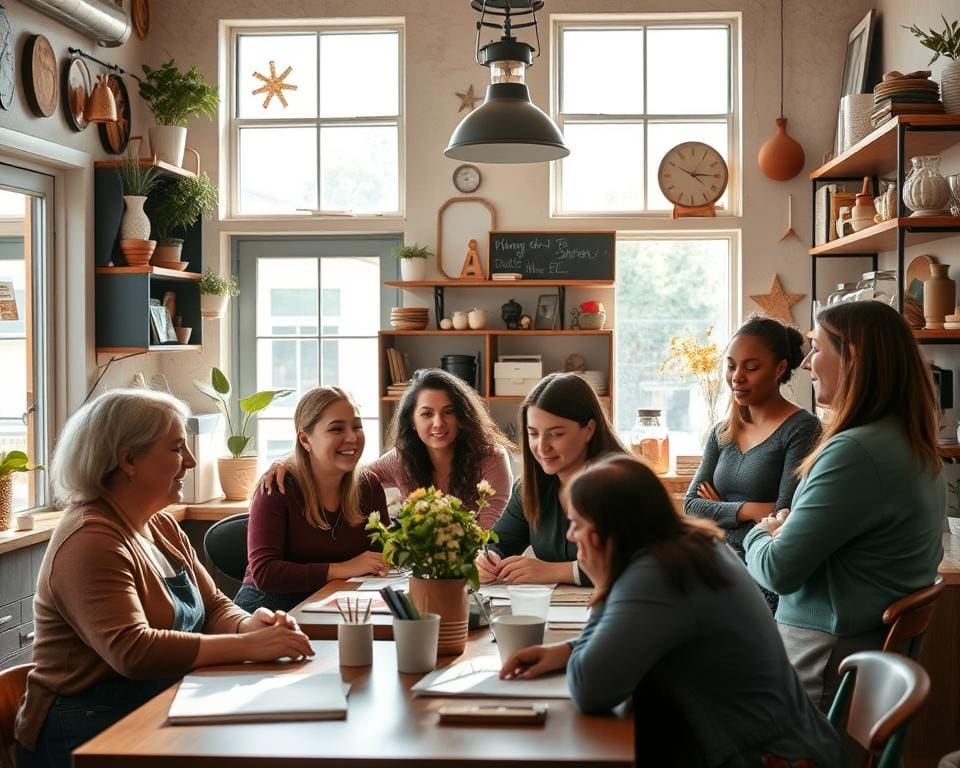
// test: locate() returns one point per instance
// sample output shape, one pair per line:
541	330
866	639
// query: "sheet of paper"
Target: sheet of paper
374	584
499	591
329	604
481	677
568	614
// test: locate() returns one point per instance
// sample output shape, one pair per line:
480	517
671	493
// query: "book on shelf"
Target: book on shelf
829	199
396	366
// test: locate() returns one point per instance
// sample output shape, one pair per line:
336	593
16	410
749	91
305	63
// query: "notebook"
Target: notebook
259	697
329	604
481	677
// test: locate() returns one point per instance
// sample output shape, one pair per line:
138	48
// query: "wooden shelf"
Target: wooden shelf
497	332
149	162
883	236
499	283
925	335
151	348
175	274
876	153
953	451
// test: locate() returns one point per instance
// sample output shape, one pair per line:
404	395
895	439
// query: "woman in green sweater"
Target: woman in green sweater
867	517
562	427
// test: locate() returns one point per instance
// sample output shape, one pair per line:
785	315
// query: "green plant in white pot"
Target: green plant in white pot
946	44
413	261
10	462
180	205
238	472
174	97
215	292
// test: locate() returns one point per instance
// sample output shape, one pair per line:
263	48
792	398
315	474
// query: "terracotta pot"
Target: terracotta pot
447	597
939	294
781	157
237	477
6	501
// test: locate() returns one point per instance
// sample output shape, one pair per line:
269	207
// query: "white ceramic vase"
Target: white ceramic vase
212	305
168	142
413	269
134	224
925	191
950	87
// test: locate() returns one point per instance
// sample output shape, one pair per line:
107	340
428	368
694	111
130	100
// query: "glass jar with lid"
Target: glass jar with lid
880	286
842	293
650	441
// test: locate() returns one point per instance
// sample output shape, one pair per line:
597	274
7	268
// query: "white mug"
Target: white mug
516	632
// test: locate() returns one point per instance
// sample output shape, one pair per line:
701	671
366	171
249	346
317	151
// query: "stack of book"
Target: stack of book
911	94
506	276
397	368
687	465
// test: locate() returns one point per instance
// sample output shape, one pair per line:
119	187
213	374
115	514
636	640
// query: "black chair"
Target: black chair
225	545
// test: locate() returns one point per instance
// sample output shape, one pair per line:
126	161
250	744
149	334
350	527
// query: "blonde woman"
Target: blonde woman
314	532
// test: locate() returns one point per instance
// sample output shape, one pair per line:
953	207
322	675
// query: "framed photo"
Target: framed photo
162	324
546	317
855	66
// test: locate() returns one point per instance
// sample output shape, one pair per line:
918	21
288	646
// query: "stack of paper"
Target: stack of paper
567	617
329	604
481	677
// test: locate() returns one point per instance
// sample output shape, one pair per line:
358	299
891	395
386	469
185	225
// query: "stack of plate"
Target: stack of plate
597	380
952	323
137	253
687	465
409	318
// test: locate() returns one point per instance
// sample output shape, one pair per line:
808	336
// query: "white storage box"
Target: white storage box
206	442
516	374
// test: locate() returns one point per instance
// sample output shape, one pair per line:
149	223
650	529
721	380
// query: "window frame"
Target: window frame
233	124
732	20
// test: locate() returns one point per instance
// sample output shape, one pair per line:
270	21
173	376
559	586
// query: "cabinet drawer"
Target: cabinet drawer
26	609
9	616
23	656
16	576
9	641
26	634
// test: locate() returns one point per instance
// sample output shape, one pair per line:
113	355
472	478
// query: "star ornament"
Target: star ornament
777	303
274	85
467	100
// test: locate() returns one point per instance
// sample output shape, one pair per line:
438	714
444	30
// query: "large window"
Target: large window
666	288
333	143
629	91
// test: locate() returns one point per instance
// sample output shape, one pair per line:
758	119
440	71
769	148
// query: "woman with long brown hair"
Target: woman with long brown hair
562	428
866	522
315	531
678	624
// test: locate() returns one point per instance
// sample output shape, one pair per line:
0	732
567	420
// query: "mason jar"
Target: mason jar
650	441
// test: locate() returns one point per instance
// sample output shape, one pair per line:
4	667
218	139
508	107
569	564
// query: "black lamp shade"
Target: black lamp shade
507	128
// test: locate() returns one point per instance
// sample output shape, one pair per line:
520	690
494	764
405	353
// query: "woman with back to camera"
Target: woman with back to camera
563	426
678	622
866	521
315	531
750	461
123	606
442	435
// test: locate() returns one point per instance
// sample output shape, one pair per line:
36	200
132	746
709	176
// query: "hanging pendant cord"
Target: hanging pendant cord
781	59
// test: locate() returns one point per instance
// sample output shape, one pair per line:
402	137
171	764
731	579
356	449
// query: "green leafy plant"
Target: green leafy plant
182	204
945	43
218	390
213	284
15	461
434	535
411	251
174	96
136	179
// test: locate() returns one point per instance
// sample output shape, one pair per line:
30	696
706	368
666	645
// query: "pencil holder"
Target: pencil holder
355	644
417	643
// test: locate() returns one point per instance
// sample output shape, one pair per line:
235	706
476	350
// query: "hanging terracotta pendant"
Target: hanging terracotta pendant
781	157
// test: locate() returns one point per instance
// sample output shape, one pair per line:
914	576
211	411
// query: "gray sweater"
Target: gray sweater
715	654
765	473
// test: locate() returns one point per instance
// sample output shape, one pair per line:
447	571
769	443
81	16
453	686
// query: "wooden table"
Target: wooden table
385	728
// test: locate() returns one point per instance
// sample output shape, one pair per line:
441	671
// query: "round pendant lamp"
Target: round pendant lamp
781	157
101	107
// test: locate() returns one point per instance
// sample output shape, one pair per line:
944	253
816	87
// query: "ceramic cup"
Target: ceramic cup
529	600
416	641
516	632
23	522
355	644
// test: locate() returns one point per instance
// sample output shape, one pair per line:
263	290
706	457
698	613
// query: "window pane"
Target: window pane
270	154
688	71
661	137
652	305
359	74
604	171
352	364
359	169
286	364
358	281
255	54
602	71
286	297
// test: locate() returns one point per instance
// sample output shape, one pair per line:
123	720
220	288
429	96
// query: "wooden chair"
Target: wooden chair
880	693
909	617
225	544
13	682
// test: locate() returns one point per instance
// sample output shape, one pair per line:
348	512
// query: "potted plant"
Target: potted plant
180	206
174	97
238	473
947	44
136	182
10	462
439	540
215	291
413	261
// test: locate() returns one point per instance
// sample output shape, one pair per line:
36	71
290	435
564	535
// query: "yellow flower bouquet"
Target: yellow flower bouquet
700	358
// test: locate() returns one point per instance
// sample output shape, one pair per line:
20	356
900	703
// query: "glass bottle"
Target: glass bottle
841	294
650	441
880	286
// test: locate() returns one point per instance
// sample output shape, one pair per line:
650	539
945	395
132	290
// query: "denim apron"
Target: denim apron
74	720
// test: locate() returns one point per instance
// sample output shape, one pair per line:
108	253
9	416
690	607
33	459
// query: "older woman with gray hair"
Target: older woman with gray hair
123	606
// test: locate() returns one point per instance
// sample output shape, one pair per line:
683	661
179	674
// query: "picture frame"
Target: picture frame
856	66
546	317
162	323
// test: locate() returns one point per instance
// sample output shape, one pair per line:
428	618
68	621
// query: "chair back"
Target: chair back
13	684
225	544
885	692
909	617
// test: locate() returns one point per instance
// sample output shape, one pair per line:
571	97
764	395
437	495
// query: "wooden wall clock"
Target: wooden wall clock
41	78
8	72
693	176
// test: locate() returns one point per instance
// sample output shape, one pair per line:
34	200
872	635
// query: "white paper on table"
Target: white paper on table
499	591
360	599
376	583
568	614
480	677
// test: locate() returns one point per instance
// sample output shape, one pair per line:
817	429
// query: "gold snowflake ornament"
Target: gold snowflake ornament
274	85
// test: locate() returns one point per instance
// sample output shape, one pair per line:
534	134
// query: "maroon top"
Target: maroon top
287	554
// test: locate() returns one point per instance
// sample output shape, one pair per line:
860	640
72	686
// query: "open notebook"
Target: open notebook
255	697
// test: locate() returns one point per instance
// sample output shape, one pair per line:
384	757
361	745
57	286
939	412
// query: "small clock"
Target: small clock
466	178
693	176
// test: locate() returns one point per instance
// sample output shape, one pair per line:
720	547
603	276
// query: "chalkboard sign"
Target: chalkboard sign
554	255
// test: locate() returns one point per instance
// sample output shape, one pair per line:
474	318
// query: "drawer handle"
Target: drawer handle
27	638
5	619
